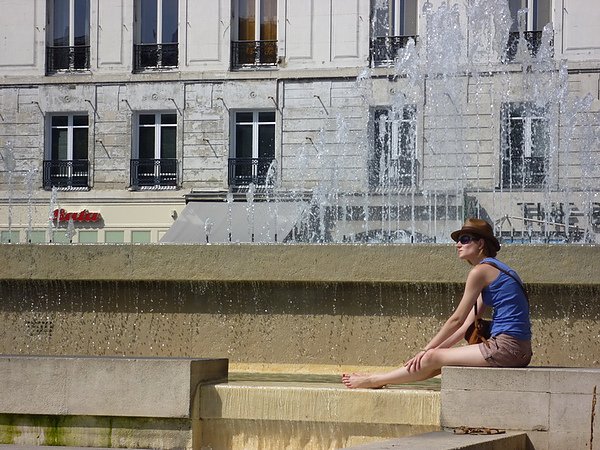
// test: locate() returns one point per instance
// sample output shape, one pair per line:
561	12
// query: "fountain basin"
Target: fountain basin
325	308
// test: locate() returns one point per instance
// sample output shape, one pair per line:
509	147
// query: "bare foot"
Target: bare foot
360	381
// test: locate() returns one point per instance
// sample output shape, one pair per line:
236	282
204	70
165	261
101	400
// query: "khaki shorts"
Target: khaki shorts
506	351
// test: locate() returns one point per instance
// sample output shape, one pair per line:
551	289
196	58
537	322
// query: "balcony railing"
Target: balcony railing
67	58
253	54
155	56
384	49
66	173
153	172
528	172
533	40
243	171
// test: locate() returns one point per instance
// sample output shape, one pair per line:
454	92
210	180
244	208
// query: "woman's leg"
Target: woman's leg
431	363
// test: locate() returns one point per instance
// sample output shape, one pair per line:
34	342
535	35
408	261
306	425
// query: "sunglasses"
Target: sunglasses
466	239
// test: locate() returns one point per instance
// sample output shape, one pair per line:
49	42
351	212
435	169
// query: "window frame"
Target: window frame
70	56
72	171
158	125
257	164
71	14
164	170
159	23
530	115
393	152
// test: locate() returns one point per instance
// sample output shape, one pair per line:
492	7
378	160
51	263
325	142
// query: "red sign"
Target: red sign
61	215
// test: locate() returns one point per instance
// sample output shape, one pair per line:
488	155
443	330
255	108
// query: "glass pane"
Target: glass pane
540	138
80	121
148	19
542	14
266	117
243	117
60	23
88	237
60	236
147	119
60	121
516	138
146	143
169	21
407	139
37	237
80	143
168	119
243	141
266	141
114	237
82	22
247	21
409	18
168	139
140	237
9	236
59	144
514	7
268	20
381	18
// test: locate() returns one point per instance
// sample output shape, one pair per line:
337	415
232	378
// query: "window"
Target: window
155	152
157	34
67	165
68	35
394	23
393	163
525	144
255	34
528	18
141	237
253	148
88	237
114	237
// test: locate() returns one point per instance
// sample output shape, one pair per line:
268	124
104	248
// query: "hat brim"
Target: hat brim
477	232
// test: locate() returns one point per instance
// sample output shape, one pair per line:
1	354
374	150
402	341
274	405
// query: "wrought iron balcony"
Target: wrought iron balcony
66	173
243	171
533	40
525	172
253	54
153	172
155	56
384	49
67	58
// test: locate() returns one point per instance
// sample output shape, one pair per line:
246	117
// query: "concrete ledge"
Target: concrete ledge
99	386
443	440
104	402
555	406
311	415
537	264
319	402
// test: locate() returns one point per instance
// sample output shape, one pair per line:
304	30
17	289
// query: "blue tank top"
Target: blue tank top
511	308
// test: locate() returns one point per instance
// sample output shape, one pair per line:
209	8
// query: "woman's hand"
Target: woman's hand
414	364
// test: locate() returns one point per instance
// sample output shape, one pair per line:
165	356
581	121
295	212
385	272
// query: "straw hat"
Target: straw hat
478	228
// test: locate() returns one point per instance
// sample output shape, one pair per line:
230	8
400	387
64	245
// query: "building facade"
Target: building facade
280	120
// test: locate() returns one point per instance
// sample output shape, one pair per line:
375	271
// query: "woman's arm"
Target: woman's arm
459	335
476	281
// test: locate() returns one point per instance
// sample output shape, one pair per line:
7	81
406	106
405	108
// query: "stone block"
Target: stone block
495	409
103	386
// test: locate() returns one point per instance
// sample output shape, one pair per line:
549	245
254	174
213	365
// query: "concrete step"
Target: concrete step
445	440
292	415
